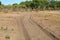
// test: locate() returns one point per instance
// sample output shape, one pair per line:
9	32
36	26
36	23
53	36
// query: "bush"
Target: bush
7	37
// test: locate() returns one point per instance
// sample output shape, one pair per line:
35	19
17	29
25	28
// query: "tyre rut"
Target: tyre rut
33	30
27	37
21	23
49	34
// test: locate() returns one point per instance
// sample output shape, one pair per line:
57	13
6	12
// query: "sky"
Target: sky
6	2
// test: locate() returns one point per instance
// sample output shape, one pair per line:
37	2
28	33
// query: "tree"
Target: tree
14	6
0	3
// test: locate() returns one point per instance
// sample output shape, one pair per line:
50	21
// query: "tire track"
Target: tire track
34	31
25	33
52	36
19	28
27	37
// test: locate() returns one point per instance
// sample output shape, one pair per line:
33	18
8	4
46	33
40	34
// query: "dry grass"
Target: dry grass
8	27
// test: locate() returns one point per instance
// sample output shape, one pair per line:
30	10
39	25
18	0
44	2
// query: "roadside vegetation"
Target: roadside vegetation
7	37
32	5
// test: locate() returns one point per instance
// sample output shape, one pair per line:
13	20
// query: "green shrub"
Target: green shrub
7	37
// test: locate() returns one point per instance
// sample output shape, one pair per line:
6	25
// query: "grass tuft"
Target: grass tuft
7	37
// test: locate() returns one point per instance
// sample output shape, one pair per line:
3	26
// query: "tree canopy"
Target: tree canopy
36	4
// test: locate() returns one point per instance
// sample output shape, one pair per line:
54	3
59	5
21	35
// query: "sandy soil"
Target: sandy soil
41	25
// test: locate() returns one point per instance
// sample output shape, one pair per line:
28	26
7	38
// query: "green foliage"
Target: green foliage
34	4
23	4
15	5
0	3
7	37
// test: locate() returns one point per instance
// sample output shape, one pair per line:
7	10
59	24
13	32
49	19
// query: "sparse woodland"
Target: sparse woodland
32	5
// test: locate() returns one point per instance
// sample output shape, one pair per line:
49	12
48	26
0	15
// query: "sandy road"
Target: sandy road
32	31
28	30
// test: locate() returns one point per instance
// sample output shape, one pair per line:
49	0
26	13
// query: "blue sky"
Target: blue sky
6	2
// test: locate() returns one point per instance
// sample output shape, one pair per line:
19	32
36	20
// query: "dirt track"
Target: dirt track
25	28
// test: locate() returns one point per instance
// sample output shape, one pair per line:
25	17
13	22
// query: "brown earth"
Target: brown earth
41	25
